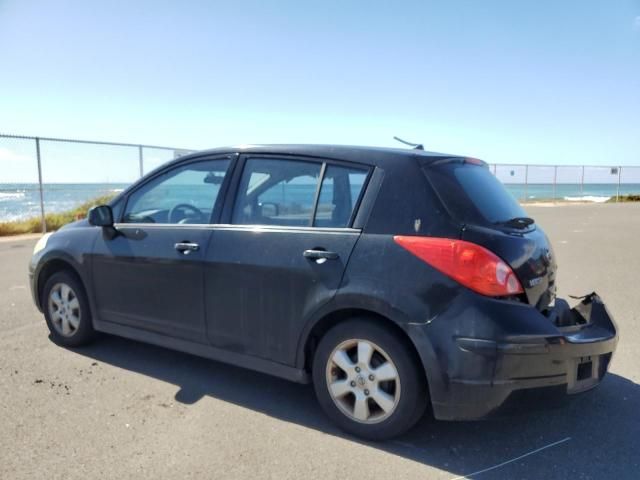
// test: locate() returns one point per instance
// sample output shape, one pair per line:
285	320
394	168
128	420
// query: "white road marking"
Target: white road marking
469	475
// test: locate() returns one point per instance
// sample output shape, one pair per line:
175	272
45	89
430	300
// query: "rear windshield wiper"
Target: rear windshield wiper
517	222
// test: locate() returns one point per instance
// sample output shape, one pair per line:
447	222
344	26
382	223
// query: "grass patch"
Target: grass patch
625	198
53	220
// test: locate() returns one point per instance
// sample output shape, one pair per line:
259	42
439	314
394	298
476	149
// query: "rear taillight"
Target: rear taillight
473	266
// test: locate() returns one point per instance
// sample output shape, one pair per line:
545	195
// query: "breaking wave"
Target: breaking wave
588	198
5	196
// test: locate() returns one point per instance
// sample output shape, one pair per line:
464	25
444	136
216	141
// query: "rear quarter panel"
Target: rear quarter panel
385	279
433	310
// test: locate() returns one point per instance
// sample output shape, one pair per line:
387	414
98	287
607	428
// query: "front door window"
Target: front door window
186	194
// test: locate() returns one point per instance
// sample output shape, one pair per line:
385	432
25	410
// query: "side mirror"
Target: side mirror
101	216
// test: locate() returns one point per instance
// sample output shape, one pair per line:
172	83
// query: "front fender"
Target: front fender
69	246
44	262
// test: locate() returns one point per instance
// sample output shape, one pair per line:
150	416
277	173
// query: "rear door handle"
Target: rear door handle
186	247
318	254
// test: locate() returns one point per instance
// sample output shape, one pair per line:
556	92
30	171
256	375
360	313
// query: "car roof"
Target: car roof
379	156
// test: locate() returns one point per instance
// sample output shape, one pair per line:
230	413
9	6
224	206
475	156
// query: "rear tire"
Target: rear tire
367	381
67	311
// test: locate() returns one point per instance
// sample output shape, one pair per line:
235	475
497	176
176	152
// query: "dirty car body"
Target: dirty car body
257	280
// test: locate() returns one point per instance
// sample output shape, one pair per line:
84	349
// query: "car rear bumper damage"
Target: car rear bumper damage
573	359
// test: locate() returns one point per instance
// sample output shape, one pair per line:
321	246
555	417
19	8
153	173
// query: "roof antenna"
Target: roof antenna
416	146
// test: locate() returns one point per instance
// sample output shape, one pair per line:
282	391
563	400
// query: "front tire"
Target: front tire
367	381
66	310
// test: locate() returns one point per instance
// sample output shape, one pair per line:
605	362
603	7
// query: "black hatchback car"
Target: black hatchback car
392	279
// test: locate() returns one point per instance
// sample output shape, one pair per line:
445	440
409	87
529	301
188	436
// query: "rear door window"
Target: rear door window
341	189
472	193
277	192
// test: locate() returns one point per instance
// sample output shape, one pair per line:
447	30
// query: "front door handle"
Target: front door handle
186	247
320	254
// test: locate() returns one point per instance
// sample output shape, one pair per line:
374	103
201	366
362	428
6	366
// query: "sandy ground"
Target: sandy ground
121	409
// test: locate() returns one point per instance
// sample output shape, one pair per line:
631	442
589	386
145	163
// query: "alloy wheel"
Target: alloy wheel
64	309
363	381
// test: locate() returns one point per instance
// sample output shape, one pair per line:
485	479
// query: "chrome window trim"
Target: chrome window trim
249	228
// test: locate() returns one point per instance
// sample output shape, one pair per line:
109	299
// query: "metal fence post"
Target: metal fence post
555	178
140	160
526	182
618	190
42	218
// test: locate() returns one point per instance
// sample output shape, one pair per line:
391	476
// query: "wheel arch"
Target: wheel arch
51	266
330	319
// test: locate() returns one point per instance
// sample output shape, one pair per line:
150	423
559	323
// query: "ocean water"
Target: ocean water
589	192
19	201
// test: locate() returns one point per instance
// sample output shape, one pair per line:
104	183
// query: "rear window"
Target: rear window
472	194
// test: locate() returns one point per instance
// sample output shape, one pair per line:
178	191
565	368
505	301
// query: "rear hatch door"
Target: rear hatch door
489	216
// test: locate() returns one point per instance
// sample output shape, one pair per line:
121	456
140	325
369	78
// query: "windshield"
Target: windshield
472	194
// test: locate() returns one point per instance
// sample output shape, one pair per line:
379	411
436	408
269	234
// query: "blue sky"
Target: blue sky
506	81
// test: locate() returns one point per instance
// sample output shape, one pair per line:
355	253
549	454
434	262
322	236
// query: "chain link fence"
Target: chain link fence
533	183
42	176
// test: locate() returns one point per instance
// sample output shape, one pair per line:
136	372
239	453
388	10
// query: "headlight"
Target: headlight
41	243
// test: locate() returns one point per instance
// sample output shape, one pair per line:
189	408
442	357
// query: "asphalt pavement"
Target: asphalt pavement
122	409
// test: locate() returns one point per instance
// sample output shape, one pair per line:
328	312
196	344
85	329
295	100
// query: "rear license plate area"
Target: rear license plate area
585	371
585	374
